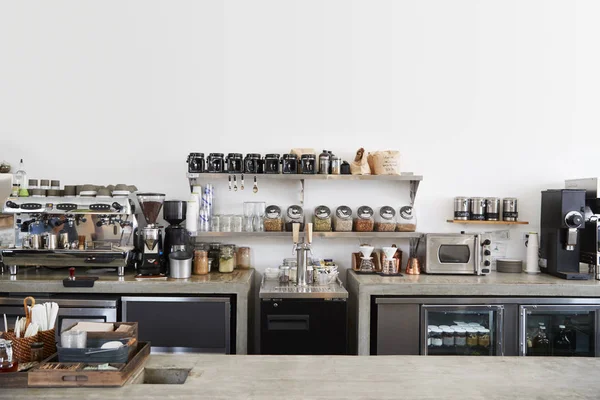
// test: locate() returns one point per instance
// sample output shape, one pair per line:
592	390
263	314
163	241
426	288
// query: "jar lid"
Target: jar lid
196	154
432	326
322	212
33	182
444	326
295	212
343	212
471	330
448	330
274	155
308	156
365	212
387	212
289	156
273	212
334	158
216	155
252	155
284	267
215	246
45	182
55	183
234	155
460	330
484	330
37	345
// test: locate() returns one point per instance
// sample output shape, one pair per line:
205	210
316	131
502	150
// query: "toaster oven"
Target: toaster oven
456	253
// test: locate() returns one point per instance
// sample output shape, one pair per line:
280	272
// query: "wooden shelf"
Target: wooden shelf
457	221
323	235
405	176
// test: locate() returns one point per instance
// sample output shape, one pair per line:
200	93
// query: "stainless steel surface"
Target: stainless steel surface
510	205
477	208
50	205
180	269
272	289
50	241
62	301
429	253
405	176
150	235
492	209
398	329
59	258
461	208
302	263
571	242
556	305
13	269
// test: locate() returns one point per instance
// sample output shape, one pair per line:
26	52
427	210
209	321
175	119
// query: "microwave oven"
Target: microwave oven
456	253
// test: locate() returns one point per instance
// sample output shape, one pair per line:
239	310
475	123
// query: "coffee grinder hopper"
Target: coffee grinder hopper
151	204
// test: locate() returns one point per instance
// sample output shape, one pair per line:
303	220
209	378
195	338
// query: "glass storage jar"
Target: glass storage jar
272	164
472	337
215	162
484	337
235	164
364	221
342	220
284	274
243	258
448	337
289	164
225	223
322	219
407	219
308	162
436	337
251	163
226	258
336	165
214	255
200	262
236	223
295	214
386	220
324	162
460	337
215	223
273	219
196	163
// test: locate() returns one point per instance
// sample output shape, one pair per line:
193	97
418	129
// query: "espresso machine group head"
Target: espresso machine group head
562	219
150	259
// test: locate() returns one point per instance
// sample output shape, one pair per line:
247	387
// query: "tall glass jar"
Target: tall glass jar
214	254
364	221
243	258
407	219
226	258
273	219
308	163
448	337
342	220
460	337
225	223
386	221
272	164
322	219
295	214
289	164
236	223
200	262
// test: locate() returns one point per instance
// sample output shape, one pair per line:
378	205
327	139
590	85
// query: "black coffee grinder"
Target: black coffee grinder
150	261
176	236
561	220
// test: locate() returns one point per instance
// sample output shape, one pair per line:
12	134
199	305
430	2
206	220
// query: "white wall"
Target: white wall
482	98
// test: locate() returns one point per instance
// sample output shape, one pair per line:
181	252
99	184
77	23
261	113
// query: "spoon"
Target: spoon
235	183
255	188
242	186
230	183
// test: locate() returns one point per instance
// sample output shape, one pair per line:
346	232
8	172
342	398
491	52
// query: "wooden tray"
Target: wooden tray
77	377
112	335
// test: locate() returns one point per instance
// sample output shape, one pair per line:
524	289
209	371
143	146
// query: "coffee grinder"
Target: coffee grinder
176	236
561	220
149	241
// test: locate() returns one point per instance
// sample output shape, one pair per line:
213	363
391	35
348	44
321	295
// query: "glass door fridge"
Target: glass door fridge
469	330
559	330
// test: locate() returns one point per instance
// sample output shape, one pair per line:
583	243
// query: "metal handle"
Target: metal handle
288	322
477	255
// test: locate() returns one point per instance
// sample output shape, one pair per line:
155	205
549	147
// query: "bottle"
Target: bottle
541	344
21	179
562	344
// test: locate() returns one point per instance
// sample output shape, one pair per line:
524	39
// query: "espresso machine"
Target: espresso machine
176	236
562	219
150	259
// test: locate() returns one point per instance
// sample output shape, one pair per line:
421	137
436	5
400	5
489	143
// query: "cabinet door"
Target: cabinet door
181	324
486	319
568	331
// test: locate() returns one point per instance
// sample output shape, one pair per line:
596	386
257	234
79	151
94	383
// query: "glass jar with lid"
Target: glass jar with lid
364	221
226	258
336	165
472	337
322	219
214	255
308	162
324	162
273	219
289	164
484	337
272	164
243	258
342	220
295	214
448	337
436	337
215	162
235	164
460	337
251	163
200	262
196	163
407	219
386	220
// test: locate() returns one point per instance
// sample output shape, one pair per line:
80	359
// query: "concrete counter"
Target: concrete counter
324	377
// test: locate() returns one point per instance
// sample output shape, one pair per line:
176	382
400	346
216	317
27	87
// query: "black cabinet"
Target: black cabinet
303	326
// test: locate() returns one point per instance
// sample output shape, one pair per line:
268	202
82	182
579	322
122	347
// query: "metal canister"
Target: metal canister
509	209
492	209
461	208
477	208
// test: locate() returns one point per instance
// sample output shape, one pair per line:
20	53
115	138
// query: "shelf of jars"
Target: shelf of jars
324	235
405	176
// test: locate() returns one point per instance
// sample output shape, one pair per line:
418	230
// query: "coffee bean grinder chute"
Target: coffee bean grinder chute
149	245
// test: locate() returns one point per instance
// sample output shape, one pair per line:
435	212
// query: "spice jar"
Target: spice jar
273	220
386	221
226	259
342	221
37	351
196	163
251	163
289	164
200	262
336	165
214	254
272	164
365	221
284	274
484	337
235	163
436	337
215	162
407	220
448	337
308	162
295	214
322	219
243	258
472	337
460	337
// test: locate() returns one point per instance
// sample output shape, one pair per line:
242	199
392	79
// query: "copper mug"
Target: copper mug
413	266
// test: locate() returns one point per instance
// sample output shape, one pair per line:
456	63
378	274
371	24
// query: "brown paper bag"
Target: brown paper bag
385	162
360	166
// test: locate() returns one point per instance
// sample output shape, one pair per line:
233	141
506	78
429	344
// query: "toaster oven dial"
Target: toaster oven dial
486	242
486	263
487	253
